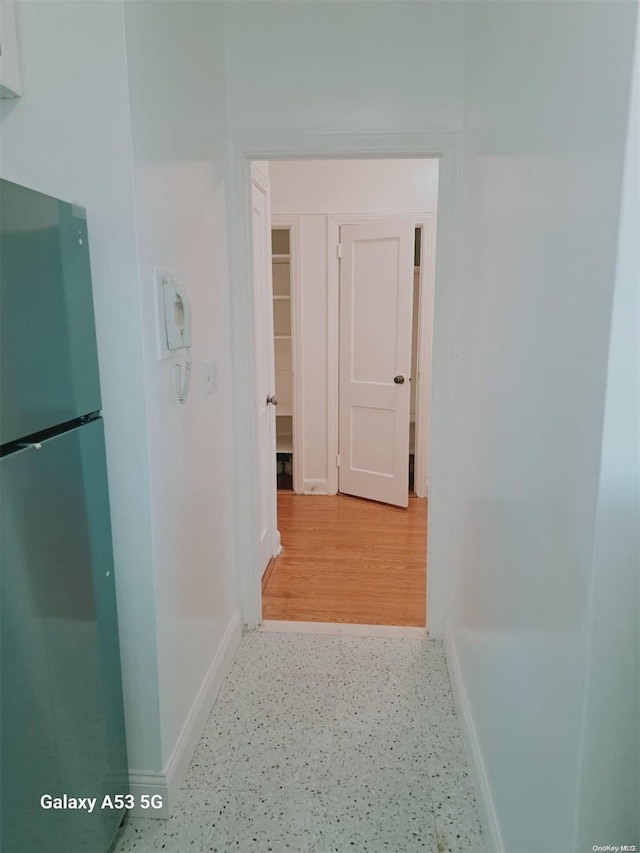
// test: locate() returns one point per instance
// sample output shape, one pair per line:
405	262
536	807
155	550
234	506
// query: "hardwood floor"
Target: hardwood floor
348	560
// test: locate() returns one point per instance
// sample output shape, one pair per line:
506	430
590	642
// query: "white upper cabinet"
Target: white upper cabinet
10	83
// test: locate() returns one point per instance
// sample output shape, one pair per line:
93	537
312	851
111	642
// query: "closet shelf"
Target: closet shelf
284	410
281	297
284	444
281	259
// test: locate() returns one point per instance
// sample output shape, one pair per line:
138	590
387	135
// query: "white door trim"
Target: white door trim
265	145
333	350
427	223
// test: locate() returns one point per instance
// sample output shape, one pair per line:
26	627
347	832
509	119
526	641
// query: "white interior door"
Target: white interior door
265	369
376	300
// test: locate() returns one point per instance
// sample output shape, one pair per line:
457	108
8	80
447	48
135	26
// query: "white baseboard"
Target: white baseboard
153	785
315	487
168	783
484	798
344	629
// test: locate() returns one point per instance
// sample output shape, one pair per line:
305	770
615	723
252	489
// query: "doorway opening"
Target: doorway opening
348	288
283	358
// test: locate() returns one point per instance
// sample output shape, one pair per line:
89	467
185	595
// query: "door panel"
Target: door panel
376	293
62	718
265	369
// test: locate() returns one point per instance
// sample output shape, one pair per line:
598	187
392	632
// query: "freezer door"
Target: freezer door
49	364
62	721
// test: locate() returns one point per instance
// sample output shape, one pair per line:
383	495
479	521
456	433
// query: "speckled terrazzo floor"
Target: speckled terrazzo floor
323	743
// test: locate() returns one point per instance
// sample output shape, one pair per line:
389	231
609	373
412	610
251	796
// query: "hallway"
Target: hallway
346	559
325	743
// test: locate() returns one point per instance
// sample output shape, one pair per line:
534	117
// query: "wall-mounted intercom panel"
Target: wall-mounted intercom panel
174	326
174	313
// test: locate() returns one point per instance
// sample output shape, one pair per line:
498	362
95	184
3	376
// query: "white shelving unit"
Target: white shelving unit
281	260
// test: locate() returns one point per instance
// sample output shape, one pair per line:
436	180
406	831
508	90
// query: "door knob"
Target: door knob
272	398
399	380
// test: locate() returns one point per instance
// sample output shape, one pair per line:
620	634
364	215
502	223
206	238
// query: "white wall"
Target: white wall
176	77
10	80
364	66
381	187
312	190
610	760
69	136
547	89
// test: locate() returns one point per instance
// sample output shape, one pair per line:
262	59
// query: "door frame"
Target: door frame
426	314
265	145
427	223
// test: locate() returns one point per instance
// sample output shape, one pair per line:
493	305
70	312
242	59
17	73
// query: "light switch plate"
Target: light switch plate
209	377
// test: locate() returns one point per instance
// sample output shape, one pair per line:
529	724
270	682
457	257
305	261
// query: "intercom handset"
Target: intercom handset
177	328
177	314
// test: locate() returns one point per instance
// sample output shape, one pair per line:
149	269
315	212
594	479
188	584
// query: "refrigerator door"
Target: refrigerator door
62	719
49	364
